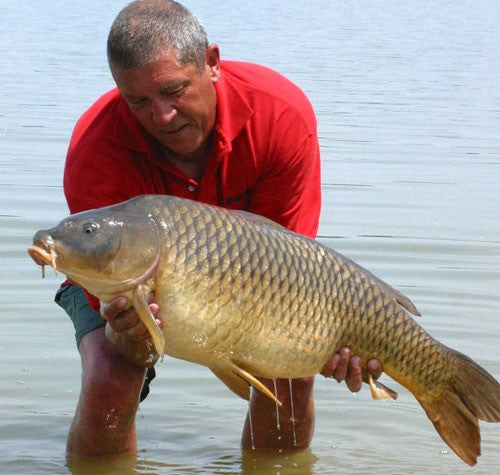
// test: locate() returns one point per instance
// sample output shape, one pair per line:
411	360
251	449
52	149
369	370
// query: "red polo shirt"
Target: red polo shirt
264	157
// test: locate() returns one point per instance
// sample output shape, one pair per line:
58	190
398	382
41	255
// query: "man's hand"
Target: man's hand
125	330
344	367
125	321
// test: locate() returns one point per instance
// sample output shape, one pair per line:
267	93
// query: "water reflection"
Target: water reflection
120	464
250	462
267	462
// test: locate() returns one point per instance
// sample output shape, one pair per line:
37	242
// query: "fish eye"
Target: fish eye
90	228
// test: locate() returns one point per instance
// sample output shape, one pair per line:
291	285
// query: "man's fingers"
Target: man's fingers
338	365
110	310
124	320
374	368
155	308
344	367
340	372
330	367
138	331
354	377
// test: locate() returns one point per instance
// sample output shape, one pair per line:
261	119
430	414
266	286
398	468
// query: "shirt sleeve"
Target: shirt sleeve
98	170
289	188
96	174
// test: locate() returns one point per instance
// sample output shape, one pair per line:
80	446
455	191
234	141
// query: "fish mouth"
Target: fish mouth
45	255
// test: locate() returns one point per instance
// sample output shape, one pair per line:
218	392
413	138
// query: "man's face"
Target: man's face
174	104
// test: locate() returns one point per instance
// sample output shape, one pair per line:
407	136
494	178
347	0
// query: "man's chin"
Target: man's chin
177	151
192	150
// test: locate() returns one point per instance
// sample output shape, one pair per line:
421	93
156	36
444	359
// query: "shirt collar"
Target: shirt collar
233	110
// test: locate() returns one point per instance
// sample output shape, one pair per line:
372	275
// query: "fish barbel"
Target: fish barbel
248	298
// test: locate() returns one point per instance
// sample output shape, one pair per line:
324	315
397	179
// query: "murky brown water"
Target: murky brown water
409	116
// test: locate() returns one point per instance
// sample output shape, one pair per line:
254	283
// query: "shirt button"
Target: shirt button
191	188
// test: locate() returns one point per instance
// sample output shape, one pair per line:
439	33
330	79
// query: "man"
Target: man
183	122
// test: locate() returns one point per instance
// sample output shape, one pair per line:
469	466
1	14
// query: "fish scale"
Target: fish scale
307	283
249	298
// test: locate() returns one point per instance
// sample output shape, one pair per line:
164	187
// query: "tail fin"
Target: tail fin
470	395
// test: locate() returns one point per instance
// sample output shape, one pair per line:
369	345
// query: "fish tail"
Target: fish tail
470	394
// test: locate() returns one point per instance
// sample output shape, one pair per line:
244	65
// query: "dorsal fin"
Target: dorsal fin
258	219
401	299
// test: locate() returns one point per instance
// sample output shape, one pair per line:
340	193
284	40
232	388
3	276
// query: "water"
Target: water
408	106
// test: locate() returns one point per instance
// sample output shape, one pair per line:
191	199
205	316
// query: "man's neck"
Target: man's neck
191	165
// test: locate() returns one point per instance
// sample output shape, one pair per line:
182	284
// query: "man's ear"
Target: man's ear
212	61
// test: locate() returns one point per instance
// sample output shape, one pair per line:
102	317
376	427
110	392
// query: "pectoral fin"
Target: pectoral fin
142	308
255	383
378	390
234	382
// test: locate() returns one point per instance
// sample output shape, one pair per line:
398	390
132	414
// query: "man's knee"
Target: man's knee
89	328
106	374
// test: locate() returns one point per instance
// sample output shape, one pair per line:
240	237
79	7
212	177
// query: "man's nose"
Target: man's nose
163	111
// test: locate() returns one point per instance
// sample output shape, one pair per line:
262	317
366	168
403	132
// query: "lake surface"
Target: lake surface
408	104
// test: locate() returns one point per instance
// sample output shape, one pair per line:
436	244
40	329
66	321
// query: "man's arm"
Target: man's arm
289	191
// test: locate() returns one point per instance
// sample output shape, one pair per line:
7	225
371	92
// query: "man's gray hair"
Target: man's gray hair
145	29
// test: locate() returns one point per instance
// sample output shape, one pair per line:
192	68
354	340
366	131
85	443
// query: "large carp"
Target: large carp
249	298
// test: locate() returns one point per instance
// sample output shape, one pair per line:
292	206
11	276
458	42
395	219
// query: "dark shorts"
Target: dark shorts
74	302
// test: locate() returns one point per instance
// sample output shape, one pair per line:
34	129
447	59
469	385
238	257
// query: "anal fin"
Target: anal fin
234	382
378	390
255	383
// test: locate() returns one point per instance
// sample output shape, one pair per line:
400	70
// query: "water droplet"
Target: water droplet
250	419
277	407
292	412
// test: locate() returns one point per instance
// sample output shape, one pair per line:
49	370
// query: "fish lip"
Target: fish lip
44	254
39	255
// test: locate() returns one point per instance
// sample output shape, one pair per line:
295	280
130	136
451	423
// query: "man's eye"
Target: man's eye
174	92
139	103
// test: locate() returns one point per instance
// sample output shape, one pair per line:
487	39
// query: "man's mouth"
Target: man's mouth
175	131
